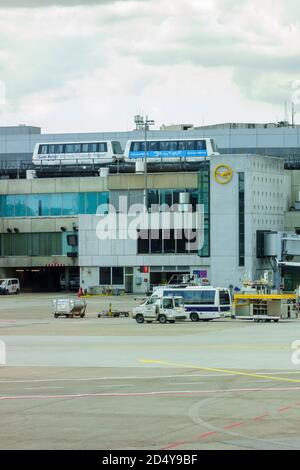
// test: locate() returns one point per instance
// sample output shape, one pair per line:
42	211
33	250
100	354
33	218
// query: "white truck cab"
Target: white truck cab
162	309
9	286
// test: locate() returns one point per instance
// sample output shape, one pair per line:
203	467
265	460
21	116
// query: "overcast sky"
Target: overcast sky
72	65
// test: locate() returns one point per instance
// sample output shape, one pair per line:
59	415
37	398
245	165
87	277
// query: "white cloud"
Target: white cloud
92	65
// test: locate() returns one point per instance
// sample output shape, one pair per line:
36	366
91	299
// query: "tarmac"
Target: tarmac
110	383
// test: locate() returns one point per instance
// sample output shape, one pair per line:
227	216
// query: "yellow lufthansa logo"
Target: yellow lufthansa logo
222	174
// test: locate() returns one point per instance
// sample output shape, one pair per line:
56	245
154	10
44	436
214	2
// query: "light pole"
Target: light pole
144	124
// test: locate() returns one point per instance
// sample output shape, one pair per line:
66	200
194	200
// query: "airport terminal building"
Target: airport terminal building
48	224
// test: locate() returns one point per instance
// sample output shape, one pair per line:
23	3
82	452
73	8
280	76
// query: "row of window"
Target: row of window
262	179
206	297
166	242
241	219
171	145
203	198
170	197
265	194
72	148
111	276
56	204
201	297
31	244
268	208
90	147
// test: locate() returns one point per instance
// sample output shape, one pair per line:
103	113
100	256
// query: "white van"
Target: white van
9	286
201	302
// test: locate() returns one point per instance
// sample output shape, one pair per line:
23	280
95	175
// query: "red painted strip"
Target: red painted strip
173	445
234	425
196	438
281	410
258	418
203	436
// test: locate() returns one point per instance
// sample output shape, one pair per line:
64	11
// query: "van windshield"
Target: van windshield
178	302
1	281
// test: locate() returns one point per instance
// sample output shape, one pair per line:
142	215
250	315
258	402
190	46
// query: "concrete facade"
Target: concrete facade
267	198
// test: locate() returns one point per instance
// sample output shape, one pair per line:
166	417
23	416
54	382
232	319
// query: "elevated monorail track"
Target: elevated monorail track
18	170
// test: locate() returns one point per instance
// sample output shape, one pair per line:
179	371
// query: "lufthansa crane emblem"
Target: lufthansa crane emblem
222	174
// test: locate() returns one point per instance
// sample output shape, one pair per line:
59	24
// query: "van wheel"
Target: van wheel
149	321
194	316
55	315
162	319
7	292
139	318
17	291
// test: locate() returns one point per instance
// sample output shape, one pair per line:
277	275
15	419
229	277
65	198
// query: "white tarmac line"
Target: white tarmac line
144	394
150	377
44	388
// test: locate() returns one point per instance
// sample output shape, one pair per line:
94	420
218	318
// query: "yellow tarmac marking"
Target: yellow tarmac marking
214	369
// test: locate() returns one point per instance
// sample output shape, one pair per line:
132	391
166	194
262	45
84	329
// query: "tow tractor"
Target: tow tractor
163	310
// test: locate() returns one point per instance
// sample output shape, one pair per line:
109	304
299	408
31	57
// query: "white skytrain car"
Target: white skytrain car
72	153
171	150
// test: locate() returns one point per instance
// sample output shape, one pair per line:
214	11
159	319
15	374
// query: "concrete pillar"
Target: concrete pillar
67	277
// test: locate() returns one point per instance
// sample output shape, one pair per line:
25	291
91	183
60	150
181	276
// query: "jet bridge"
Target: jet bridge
280	248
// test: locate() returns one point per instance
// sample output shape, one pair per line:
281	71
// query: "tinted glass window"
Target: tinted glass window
77	148
200	145
166	197
21	205
224	297
43	149
117	149
143	241
168	241
172	293
69	148
165	145
104	275
213	145
156	241
103	147
59	148
191	145
33	205
135	146
44	204
153	146
85	148
208	296
189	297
181	145
153	197
91	203
93	148
103	200
68	204
55	204
117	275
